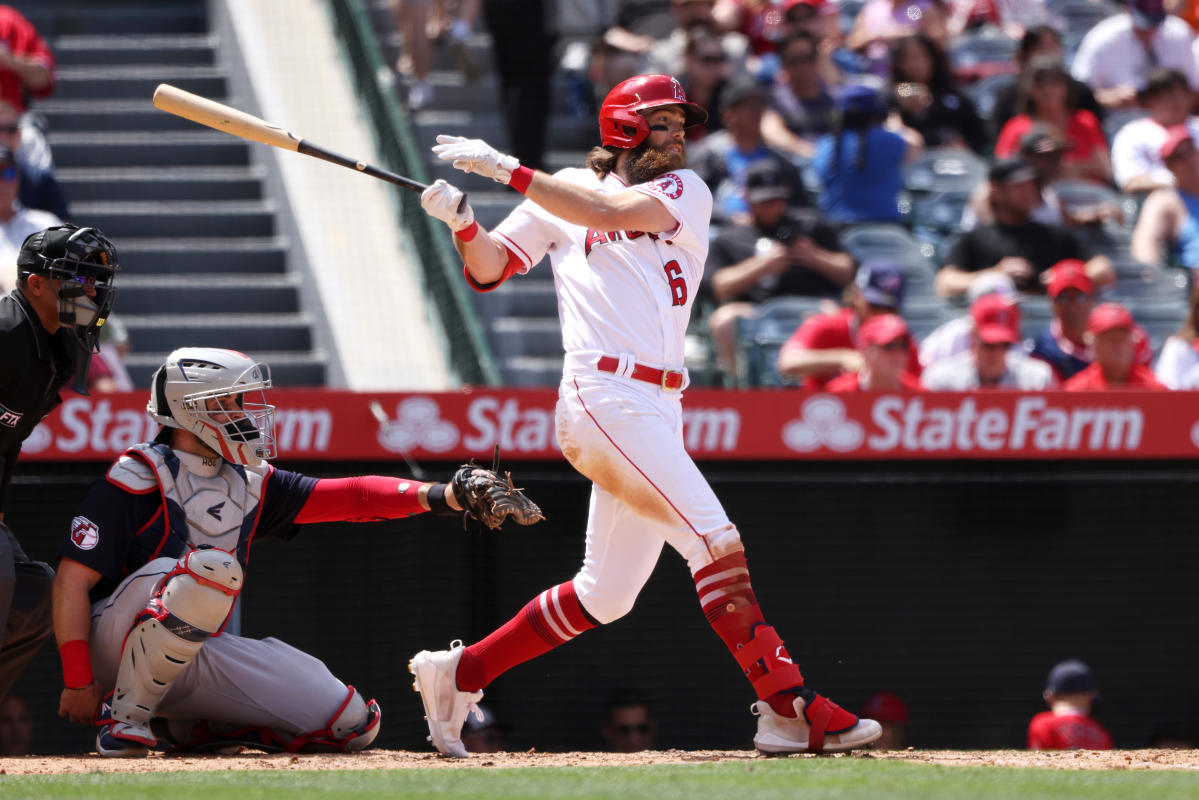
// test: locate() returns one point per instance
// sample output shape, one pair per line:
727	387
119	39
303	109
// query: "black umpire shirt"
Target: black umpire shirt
34	366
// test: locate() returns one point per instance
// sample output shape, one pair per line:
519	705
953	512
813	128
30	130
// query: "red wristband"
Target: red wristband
76	664
469	232
521	178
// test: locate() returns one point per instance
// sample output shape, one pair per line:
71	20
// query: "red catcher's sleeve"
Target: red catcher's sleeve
366	498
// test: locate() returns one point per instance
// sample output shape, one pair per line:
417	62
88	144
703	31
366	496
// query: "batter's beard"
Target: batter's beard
647	162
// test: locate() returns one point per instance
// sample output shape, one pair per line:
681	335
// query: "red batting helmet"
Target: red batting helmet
620	123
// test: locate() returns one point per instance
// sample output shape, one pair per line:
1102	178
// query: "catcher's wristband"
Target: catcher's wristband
76	658
521	178
469	232
437	502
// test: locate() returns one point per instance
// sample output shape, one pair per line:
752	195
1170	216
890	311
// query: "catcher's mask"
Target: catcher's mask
220	396
86	263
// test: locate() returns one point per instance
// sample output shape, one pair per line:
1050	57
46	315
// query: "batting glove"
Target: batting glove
441	200
475	155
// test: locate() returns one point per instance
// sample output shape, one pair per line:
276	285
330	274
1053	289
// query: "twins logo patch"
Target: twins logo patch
84	533
670	185
9	419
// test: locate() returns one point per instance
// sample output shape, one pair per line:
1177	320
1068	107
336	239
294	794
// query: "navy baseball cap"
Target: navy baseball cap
880	280
1070	677
860	99
765	179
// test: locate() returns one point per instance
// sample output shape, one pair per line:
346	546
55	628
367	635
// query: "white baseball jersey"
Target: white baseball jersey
621	292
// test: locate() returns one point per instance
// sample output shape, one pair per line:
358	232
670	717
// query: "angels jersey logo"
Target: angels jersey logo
84	533
670	185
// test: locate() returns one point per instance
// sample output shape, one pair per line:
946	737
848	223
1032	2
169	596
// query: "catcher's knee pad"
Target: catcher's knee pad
191	604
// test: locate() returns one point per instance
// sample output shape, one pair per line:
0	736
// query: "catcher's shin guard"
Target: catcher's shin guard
191	603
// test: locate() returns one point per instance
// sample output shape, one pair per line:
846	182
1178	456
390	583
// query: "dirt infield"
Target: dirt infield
398	759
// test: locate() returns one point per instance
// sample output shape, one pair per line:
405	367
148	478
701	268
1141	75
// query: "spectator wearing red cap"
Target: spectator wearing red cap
1062	345
1137	164
1178	365
889	710
1070	694
886	346
825	345
1111	331
953	337
1167	229
1015	244
991	362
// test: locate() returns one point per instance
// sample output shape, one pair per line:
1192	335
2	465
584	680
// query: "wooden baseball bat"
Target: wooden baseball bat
174	100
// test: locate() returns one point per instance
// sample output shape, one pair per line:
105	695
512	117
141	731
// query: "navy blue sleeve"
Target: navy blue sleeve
284	494
105	527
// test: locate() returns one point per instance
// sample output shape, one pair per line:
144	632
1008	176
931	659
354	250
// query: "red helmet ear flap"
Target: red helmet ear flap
623	128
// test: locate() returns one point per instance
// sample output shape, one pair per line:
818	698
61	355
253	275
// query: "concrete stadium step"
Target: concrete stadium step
84	51
182	149
288	368
192	256
532	371
245	332
111	115
451	92
54	18
200	218
526	336
91	184
520	296
138	81
209	294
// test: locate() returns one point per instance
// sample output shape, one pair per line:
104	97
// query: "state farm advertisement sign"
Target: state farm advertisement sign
717	425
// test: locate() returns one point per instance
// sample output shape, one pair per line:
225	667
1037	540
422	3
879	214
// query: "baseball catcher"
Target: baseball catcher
157	554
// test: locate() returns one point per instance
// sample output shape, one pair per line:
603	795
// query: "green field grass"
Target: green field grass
809	779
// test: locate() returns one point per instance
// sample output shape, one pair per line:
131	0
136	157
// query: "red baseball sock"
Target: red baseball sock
732	610
551	618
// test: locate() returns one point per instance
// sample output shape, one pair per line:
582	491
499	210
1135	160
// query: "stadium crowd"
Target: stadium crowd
1018	179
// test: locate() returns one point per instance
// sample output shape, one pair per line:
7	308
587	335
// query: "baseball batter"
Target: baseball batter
627	238
157	555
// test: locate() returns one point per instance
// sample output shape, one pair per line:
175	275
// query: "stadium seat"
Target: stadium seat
942	169
984	52
760	337
939	214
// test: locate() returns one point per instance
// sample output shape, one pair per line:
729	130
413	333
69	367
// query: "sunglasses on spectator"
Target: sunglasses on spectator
806	59
10	128
897	345
713	58
626	730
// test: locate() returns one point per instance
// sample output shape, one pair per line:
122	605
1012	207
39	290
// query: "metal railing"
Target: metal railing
469	349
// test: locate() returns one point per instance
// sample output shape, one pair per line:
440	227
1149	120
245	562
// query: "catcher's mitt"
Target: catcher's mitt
490	498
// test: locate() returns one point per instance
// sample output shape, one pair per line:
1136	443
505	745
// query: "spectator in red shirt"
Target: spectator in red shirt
1070	694
1044	91
1111	332
26	64
825	345
886	345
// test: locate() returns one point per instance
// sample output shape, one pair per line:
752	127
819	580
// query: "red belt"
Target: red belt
663	378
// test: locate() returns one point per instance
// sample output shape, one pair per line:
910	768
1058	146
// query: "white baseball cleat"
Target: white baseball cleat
446	706
820	726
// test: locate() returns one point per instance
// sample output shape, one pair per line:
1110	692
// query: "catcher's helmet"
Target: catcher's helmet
621	124
81	258
204	390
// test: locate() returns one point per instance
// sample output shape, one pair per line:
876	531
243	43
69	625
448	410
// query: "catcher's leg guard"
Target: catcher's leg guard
190	605
353	726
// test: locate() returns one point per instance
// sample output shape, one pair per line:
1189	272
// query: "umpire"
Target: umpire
49	326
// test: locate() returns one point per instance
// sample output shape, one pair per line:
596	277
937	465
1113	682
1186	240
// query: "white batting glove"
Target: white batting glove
475	155
441	200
